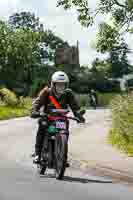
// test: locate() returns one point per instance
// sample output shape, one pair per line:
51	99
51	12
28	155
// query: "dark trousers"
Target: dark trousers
39	139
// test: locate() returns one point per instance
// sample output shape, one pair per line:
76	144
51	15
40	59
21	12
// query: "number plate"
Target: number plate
60	125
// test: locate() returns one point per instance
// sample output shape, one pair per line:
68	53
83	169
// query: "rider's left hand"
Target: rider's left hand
82	120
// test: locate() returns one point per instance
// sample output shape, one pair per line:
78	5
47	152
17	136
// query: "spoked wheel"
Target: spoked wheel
61	149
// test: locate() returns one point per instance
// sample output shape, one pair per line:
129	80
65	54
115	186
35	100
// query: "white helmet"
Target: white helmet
59	77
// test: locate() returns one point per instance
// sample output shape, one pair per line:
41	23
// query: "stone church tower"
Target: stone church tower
67	55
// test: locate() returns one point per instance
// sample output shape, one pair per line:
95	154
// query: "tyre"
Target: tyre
42	166
61	150
42	169
50	154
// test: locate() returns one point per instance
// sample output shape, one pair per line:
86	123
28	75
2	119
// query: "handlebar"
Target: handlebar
64	116
58	113
73	118
44	115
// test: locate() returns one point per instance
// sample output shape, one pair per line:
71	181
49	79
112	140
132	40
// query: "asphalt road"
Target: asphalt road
19	179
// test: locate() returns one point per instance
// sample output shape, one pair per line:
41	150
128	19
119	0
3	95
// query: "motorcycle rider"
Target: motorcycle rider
63	95
93	98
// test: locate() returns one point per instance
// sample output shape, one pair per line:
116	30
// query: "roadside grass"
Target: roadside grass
12	106
8	112
116	140
121	133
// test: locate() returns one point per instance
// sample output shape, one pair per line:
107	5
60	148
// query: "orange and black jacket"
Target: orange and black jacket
66	100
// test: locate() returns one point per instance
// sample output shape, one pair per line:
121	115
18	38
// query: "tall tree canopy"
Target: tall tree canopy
121	11
26	50
25	20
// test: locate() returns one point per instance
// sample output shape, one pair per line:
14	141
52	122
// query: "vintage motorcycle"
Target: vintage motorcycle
55	145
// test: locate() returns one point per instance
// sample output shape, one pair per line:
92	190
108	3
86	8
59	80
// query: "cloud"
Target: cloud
7	7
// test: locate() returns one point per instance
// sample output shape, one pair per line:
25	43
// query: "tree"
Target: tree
102	67
121	11
49	42
27	58
26	52
5	36
107	38
25	20
22	56
119	61
110	41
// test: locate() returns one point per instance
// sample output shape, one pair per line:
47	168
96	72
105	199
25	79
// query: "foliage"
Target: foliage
119	61
121	11
7	112
25	102
11	107
104	99
25	20
26	50
27	54
119	141
49	43
84	101
122	127
110	35
107	38
82	7
116	64
8	97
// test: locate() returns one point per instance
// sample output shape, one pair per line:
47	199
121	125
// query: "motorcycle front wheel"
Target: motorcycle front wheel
61	150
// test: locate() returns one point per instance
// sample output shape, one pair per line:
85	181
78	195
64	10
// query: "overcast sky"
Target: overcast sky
62	23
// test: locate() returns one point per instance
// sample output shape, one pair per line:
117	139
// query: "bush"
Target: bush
104	99
7	112
84	100
8	97
121	134
11	107
25	102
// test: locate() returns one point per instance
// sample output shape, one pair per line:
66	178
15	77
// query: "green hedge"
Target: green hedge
104	99
121	134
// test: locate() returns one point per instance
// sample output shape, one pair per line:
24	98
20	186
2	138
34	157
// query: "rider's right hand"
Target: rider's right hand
35	114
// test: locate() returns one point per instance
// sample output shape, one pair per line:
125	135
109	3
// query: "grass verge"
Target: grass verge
7	112
117	140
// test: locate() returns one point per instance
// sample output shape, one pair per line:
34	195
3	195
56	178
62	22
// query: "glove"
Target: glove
35	114
80	117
